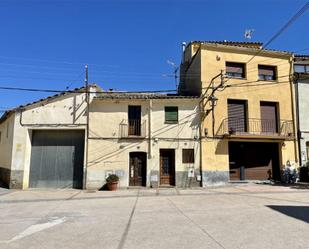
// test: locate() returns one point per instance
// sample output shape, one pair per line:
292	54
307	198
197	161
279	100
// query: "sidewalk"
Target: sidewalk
36	195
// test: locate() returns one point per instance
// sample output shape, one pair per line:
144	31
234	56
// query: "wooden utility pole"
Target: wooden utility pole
87	123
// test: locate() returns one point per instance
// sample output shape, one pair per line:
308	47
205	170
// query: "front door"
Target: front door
167	167
137	169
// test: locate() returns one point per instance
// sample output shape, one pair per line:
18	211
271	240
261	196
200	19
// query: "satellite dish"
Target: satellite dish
248	34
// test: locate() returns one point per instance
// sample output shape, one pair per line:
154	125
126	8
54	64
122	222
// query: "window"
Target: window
235	70
269	114
171	114
267	72
301	68
188	156
237	115
307	149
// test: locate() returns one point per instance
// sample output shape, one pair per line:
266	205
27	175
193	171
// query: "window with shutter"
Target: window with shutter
237	115
267	72
188	156
269	123
171	114
235	70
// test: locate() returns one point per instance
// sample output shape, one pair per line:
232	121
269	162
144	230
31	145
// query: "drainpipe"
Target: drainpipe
295	115
201	126
87	126
149	129
296	81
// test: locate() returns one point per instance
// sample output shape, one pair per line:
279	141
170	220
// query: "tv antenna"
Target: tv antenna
248	34
175	72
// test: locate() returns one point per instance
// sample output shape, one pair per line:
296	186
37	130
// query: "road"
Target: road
235	216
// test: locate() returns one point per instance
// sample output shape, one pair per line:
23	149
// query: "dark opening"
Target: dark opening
254	161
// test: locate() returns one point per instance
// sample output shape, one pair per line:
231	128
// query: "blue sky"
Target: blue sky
45	44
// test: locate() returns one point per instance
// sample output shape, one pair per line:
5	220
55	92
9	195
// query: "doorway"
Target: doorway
167	167
134	120
138	169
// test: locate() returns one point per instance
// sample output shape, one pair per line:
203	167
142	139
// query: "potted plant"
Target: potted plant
112	182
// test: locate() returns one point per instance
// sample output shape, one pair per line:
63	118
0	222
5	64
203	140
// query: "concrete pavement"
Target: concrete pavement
236	216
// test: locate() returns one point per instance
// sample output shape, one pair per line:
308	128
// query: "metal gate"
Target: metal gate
57	159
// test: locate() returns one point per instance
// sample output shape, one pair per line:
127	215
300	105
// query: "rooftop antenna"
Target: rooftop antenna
248	34
176	68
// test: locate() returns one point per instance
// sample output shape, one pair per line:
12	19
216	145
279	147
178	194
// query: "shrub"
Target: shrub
112	178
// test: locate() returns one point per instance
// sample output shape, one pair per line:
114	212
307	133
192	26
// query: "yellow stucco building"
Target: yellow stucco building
247	128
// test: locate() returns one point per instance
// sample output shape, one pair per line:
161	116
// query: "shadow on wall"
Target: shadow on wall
297	212
222	148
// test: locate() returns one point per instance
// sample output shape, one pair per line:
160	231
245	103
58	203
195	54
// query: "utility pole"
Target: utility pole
213	99
87	122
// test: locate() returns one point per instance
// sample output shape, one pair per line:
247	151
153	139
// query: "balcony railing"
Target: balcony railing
132	128
256	127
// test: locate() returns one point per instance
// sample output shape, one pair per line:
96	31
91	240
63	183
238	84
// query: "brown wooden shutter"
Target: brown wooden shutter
269	117
237	115
187	155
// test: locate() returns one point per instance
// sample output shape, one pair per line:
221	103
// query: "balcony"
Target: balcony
256	128
133	128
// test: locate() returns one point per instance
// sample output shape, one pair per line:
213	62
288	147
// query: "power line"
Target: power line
55	61
262	81
77	91
280	31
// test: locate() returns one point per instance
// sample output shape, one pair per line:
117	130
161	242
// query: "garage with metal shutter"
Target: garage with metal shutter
57	159
254	161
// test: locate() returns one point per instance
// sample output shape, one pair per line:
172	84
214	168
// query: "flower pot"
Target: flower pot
112	186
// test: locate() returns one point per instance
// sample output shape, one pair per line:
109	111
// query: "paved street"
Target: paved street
237	216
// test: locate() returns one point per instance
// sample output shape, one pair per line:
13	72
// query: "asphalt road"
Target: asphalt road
238	216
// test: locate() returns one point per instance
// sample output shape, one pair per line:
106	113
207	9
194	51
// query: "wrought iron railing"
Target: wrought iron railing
258	127
132	128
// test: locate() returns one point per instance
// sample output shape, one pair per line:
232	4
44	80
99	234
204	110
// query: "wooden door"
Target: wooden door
167	167
137	169
134	120
269	122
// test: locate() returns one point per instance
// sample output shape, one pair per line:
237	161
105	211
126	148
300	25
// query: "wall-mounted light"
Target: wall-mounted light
213	101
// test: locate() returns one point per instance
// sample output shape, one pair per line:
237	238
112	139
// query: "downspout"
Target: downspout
149	130
296	81
201	125
295	115
87	126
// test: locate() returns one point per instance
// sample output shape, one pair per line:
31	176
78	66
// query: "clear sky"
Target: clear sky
45	44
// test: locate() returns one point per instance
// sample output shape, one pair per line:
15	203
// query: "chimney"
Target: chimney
183	47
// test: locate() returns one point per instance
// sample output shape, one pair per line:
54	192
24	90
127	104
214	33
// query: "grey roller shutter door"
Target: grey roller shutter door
57	159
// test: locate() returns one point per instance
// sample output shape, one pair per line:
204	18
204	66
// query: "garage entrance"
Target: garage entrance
57	159
254	161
